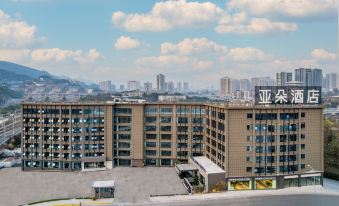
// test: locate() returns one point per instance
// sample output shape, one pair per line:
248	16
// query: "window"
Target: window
166	153
182	128
165	128
151	110
151	136
182	120
122	110
249	149
166	136
302	156
150	119
221	115
166	110
151	152
150	144
166	120
302	166
122	119
302	125
123	153
302	146
248	169
302	114
249	115
166	162
165	144
151	162
150	128
249	138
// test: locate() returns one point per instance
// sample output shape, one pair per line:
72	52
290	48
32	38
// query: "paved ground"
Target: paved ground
132	184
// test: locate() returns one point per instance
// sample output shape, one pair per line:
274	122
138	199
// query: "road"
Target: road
282	200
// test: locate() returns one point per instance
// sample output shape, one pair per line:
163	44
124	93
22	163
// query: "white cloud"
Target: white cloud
15	33
14	55
125	42
59	55
168	14
321	54
247	54
174	63
286	8
192	46
239	23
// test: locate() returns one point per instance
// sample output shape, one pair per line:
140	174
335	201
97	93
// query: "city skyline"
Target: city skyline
112	40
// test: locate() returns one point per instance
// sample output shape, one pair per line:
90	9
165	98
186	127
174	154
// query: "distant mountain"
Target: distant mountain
7	76
22	70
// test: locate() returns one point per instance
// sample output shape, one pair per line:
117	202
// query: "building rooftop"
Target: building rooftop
186	167
207	165
103	184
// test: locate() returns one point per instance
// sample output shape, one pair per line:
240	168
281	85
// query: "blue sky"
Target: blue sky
197	41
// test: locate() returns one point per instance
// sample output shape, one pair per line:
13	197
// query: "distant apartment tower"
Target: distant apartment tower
225	86
179	88
148	87
170	87
309	77
121	87
133	85
283	77
161	83
186	87
105	86
262	81
331	81
245	85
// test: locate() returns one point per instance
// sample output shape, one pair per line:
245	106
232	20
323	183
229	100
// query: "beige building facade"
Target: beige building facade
256	146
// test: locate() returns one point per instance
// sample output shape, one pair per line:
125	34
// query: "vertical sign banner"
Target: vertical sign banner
287	95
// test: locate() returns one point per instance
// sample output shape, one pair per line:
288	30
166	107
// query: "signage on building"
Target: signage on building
287	95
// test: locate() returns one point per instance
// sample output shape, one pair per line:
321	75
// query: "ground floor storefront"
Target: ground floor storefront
274	182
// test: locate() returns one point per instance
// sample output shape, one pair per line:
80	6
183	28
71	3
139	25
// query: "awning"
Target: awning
186	167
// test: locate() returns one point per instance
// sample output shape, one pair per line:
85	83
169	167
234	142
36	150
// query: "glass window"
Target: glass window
165	119
150	119
151	110
122	110
165	144
150	144
166	153
166	111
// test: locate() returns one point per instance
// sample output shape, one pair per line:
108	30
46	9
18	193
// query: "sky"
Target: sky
195	41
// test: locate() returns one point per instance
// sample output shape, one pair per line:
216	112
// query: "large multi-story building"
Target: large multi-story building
283	77
161	83
247	141
225	86
309	77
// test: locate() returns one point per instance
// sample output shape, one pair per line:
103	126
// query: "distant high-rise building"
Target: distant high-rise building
170	87
161	83
262	81
309	77
225	86
148	87
186	87
283	77
235	85
245	85
178	87
105	86
133	85
122	87
331	81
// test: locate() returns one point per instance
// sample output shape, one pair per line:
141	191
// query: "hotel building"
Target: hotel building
277	145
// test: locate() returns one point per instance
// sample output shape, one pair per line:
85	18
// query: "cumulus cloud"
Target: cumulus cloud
175	63
321	54
286	8
247	54
240	24
192	46
14	55
15	33
169	14
125	42
60	55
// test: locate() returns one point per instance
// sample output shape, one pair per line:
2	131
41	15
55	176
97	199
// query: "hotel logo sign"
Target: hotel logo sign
287	95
